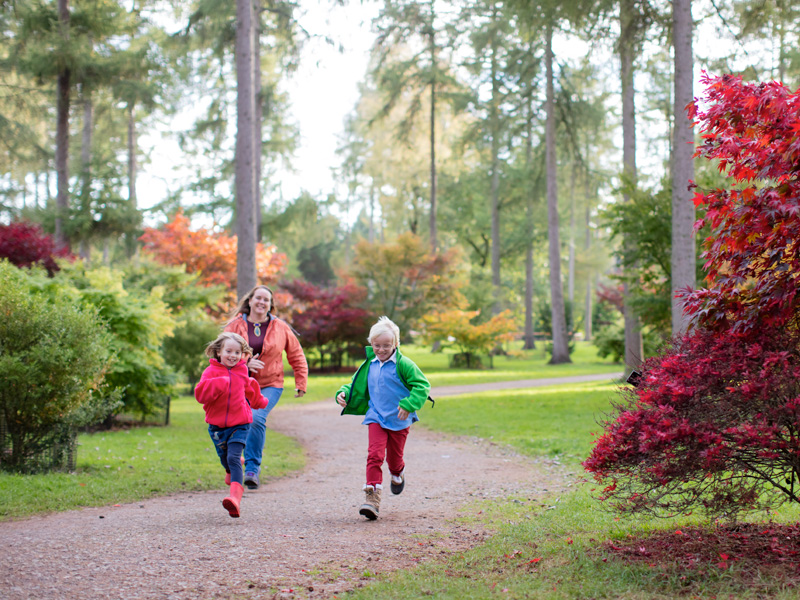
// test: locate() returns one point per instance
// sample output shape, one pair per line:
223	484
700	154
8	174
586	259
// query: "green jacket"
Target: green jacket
357	391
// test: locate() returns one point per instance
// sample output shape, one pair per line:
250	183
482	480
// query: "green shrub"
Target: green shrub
138	321
53	356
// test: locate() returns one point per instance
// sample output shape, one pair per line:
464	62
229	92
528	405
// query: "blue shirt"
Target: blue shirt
386	389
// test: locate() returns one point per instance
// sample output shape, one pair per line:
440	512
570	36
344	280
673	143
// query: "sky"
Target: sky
322	92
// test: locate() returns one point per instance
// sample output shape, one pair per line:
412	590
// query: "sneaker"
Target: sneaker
372	502
251	480
398	482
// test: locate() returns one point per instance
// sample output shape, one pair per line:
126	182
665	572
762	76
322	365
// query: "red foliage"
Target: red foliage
750	553
751	255
715	422
611	295
25	245
330	319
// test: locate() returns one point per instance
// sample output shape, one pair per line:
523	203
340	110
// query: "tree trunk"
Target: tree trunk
433	226
683	212
529	341
494	126
259	115
571	259
245	155
62	138
587	311
559	324
131	245
633	334
86	173
131	157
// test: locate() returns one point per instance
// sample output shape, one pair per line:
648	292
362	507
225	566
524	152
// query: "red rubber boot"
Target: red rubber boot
231	503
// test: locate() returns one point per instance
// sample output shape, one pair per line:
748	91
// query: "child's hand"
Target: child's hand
402	414
340	400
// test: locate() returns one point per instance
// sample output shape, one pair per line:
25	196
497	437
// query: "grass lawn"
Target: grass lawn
528	364
559	547
135	464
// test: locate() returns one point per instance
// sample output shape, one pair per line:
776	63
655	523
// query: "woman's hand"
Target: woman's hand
402	414
254	364
299	393
341	400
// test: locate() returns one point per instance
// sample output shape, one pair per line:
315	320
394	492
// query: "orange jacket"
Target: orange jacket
278	338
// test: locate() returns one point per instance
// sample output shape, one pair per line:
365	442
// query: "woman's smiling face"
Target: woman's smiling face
261	302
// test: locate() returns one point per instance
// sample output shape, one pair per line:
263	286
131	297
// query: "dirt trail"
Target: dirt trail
301	533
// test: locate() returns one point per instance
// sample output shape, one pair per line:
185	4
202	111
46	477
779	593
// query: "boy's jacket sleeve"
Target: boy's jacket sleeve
417	384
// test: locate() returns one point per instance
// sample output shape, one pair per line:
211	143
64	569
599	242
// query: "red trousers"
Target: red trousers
385	443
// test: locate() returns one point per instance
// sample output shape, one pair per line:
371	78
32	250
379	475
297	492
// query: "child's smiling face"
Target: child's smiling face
384	346
231	353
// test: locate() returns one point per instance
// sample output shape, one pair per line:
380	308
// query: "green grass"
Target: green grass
546	421
549	547
530	364
135	464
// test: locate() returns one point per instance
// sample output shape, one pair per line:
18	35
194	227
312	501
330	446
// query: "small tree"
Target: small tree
715	423
456	328
54	355
332	320
25	245
404	280
213	255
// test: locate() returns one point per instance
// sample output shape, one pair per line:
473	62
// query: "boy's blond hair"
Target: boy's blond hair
385	325
213	349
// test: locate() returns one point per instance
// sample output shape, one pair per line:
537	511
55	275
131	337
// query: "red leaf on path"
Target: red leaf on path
569	540
678	532
723	556
82	484
534	560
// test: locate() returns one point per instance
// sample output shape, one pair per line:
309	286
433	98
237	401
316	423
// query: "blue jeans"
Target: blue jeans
258	430
229	442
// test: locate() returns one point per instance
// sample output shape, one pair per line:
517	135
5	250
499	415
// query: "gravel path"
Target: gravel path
299	537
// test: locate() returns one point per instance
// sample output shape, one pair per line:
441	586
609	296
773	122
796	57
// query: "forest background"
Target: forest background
487	183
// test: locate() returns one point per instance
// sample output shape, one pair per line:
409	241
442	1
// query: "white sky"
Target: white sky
322	92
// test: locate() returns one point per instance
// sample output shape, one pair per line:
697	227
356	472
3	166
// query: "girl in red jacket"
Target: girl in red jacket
228	395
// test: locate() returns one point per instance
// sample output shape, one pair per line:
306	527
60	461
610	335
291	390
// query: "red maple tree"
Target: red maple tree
715	422
331	320
25	245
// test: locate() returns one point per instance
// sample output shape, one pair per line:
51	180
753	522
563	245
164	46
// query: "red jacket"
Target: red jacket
228	395
277	339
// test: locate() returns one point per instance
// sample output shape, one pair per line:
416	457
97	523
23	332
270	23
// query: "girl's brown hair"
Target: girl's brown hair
244	304
213	348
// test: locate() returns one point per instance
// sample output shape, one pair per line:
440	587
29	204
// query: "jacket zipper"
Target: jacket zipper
228	405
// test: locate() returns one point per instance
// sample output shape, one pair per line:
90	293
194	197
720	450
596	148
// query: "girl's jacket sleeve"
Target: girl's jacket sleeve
210	388
253	394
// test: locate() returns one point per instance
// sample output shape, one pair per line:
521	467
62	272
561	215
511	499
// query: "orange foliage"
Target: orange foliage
211	254
455	328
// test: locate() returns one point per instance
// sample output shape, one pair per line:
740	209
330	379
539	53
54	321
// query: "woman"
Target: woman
269	337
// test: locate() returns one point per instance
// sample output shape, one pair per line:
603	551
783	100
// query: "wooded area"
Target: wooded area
516	164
